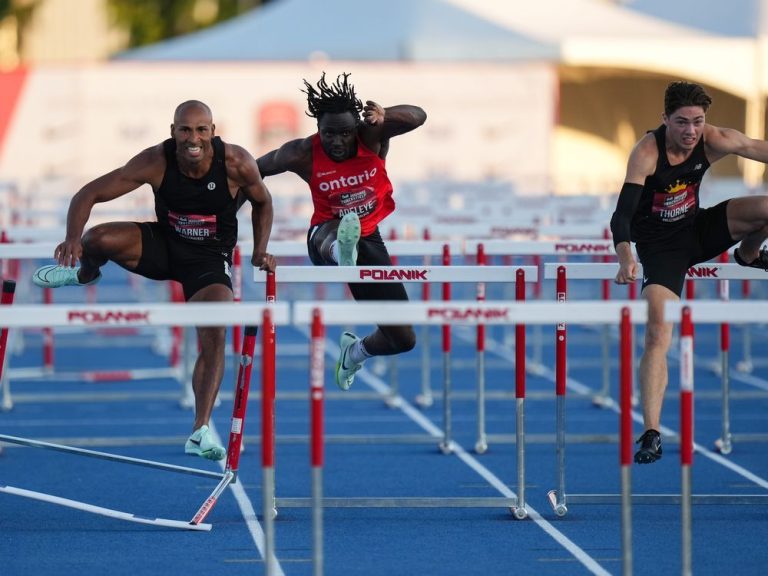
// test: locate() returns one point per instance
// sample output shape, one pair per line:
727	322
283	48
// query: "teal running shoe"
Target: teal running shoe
201	443
347	237
55	276
345	368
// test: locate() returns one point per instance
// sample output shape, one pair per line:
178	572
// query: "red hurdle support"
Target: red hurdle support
557	497
237	292
9	290
481	445
723	444
316	375
425	399
445	445
625	438
519	510
686	434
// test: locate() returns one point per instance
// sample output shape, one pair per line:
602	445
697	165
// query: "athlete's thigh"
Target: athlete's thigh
712	233
153	262
665	263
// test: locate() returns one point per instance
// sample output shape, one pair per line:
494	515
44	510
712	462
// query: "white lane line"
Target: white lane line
248	512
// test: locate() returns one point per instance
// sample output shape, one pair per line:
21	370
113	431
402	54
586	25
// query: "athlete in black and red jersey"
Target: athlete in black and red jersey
658	209
198	181
344	166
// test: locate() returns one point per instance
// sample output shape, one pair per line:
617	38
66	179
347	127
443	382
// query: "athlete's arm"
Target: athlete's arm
720	142
641	164
243	170
144	168
293	156
393	120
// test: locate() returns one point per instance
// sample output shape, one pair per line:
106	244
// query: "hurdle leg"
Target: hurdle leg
519	510
393	396
686	436
557	497
425	399
724	443
626	369
603	397
317	371
9	290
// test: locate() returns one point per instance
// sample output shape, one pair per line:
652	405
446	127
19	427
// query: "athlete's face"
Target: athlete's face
685	127
193	130
338	135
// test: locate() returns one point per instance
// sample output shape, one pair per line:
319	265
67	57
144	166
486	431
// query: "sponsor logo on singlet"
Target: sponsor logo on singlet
676	202
193	226
351	193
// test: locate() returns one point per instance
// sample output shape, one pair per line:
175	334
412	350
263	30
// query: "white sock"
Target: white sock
357	352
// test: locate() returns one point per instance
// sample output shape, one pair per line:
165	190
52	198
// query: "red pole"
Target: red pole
480	298
686	388
425	285
48	335
9	289
316	388
625	398
268	391
237	291
520	338
241	399
560	335
446	328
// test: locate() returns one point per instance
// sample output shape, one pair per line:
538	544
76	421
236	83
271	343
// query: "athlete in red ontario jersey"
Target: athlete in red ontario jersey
344	166
658	209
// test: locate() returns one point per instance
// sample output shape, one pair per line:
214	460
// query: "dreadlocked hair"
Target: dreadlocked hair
335	98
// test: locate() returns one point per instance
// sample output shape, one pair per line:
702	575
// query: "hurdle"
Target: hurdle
190	314
36	250
497	312
719	271
418	274
582	312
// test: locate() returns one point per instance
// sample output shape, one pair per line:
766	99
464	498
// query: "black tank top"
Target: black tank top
670	197
199	211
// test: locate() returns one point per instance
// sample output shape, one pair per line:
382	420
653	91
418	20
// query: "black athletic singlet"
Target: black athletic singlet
670	197
198	211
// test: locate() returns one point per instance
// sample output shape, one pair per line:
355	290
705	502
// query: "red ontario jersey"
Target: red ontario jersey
359	185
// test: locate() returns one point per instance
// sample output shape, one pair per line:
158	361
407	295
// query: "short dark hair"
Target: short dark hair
680	93
335	98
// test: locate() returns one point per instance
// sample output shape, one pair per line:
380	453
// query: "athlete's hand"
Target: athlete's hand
68	252
627	272
265	262
373	113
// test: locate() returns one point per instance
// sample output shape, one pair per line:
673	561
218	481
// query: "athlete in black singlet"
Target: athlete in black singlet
199	182
658	209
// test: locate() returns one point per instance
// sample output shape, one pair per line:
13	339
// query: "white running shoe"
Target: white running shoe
55	276
345	368
201	443
347	237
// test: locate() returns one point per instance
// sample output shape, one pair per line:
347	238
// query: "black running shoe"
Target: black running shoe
761	262
650	447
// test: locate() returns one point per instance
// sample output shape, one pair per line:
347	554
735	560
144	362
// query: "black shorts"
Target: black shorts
667	262
371	251
164	257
